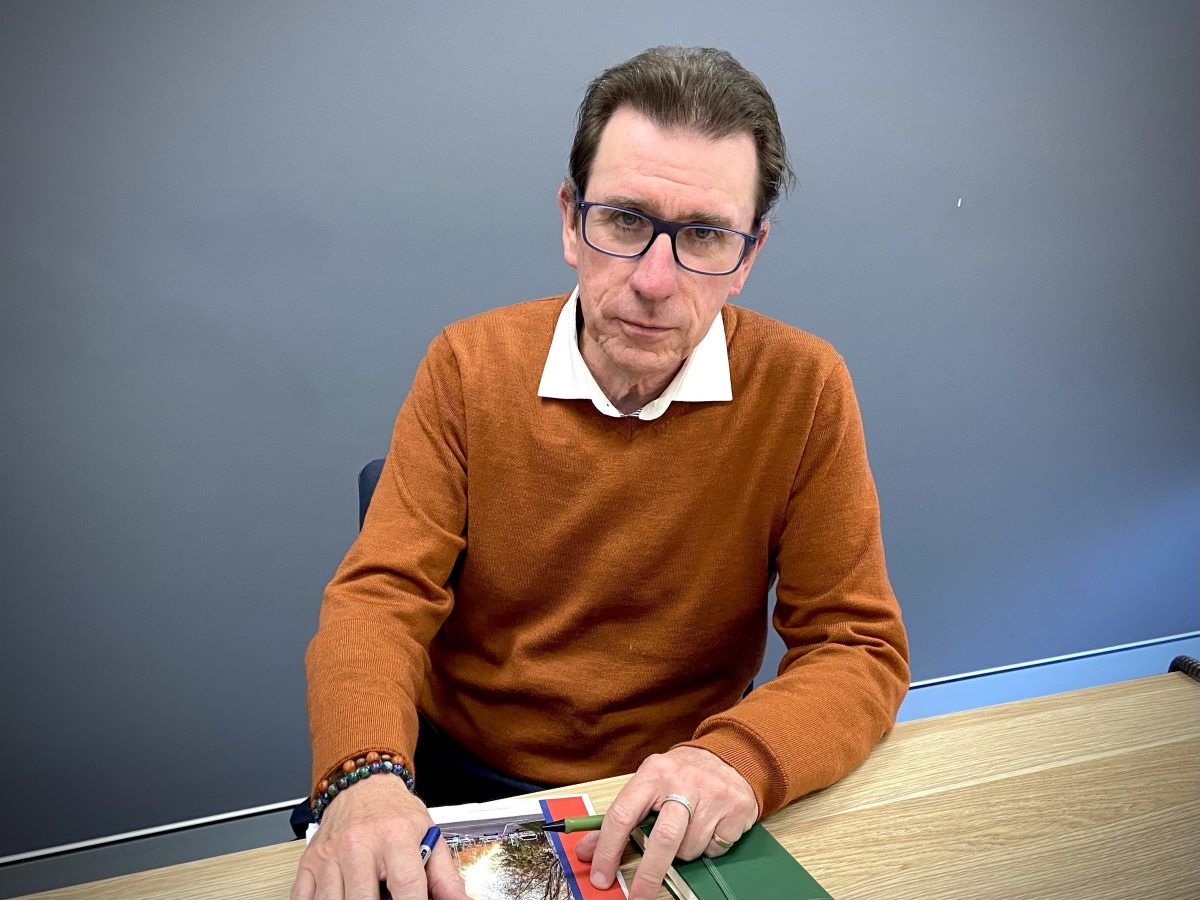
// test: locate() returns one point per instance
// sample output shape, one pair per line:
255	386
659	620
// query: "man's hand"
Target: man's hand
371	833
722	802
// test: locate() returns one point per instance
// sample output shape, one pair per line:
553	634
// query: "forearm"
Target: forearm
813	724
364	679
846	668
369	658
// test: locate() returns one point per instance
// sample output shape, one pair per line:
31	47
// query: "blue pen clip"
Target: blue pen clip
428	842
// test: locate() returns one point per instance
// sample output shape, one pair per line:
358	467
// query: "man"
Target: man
566	564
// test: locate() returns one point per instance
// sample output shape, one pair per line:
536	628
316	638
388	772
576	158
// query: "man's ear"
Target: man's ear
570	217
743	272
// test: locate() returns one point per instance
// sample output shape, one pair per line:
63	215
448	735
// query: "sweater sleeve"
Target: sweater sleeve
845	670
368	660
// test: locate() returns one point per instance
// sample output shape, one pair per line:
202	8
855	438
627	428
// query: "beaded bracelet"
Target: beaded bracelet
355	770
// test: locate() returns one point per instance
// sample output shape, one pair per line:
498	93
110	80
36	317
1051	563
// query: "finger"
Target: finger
405	876
445	883
661	848
699	824
729	829
707	822
586	847
404	883
305	885
626	811
329	882
696	840
360	874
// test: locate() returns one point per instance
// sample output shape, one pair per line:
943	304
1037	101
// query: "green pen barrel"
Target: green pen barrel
593	823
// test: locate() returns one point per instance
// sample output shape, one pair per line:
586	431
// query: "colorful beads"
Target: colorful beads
355	770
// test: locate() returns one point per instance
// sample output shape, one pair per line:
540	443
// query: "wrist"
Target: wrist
356	769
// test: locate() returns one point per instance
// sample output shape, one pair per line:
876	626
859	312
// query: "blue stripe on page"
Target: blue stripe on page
561	853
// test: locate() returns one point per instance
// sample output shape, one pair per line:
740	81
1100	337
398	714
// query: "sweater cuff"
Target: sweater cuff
740	748
370	726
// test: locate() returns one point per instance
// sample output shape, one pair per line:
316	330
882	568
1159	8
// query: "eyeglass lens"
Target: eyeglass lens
625	233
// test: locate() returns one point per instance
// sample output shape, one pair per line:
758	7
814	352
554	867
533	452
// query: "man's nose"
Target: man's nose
656	273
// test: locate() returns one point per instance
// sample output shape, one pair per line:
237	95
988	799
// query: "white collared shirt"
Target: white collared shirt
703	377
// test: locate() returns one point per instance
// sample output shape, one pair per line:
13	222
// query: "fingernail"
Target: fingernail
599	880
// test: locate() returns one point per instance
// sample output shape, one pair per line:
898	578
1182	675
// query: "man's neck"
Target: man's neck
630	396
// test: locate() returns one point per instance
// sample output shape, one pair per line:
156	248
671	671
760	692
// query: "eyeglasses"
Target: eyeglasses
704	249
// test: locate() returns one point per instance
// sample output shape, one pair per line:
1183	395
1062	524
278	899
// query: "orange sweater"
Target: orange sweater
564	593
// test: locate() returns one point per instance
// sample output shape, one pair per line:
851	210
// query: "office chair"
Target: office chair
367	479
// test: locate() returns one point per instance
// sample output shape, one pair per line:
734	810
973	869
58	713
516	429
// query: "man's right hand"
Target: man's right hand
370	833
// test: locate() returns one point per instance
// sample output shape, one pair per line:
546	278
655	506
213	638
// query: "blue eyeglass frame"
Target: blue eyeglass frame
663	226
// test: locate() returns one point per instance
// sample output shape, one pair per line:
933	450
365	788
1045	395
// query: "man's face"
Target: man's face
643	317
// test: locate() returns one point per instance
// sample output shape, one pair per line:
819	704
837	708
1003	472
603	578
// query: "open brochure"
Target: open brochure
500	862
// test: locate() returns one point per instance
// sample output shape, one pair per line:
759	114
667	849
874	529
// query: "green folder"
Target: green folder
757	867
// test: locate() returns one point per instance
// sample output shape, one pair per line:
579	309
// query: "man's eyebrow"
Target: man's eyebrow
699	217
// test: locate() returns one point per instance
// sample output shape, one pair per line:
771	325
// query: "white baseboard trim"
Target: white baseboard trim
1050	660
1037	678
151	831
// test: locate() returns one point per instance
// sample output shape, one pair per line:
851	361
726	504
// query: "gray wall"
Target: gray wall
230	229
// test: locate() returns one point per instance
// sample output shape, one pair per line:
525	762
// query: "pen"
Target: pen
578	823
427	842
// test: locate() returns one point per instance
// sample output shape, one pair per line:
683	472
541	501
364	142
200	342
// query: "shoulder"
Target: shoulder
786	377
499	349
763	349
507	330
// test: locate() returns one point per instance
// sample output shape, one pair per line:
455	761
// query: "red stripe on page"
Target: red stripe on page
562	808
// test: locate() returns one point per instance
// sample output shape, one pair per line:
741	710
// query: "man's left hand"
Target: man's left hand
722	804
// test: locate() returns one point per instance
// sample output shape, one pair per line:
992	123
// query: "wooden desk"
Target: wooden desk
1093	793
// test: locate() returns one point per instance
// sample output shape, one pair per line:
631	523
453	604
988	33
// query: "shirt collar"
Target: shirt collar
703	377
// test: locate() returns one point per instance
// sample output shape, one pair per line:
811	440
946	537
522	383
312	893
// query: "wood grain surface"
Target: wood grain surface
1093	793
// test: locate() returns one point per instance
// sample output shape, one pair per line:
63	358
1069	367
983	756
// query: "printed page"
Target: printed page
500	861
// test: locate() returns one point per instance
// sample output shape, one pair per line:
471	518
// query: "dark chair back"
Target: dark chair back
367	479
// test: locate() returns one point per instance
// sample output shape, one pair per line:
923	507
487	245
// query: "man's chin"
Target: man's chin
641	362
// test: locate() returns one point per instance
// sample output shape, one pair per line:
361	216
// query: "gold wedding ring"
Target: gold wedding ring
721	842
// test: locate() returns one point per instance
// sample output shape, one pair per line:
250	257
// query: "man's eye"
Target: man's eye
704	236
628	220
